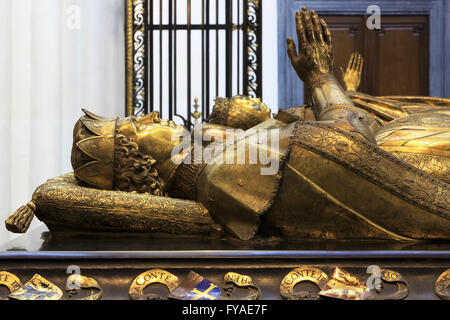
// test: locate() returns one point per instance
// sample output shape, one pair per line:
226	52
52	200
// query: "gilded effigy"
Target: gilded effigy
350	166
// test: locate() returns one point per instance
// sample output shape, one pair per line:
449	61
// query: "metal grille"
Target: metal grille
191	49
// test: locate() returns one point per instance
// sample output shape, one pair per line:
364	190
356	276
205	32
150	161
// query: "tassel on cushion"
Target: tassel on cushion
20	220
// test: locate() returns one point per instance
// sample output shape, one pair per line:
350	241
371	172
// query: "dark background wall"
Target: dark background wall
409	55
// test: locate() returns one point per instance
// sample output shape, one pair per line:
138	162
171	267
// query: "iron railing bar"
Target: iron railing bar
203	59
229	48
192	27
189	62
217	48
170	60
160	60
208	38
238	49
151	96
245	48
175	45
145	108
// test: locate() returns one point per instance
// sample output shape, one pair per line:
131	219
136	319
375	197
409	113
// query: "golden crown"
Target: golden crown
93	150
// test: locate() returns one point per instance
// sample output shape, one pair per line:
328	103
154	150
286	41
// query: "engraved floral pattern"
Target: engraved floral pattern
378	166
62	201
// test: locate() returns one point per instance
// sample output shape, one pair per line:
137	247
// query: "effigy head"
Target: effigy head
121	153
239	112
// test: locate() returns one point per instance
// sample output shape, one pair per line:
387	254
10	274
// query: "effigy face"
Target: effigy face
151	134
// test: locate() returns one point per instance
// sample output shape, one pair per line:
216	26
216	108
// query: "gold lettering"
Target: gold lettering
138	282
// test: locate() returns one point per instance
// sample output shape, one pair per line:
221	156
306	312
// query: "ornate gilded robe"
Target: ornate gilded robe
332	183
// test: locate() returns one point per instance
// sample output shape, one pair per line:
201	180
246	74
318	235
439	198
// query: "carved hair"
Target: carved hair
134	171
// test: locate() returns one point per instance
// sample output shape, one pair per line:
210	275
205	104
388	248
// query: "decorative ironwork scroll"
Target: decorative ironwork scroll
253	41
136	57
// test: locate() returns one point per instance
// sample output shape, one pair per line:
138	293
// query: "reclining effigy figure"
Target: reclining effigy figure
356	167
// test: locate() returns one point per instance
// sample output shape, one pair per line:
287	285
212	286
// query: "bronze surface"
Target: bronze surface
302	274
136	291
351	166
442	285
75	283
232	279
9	280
